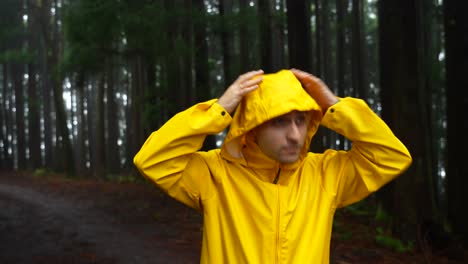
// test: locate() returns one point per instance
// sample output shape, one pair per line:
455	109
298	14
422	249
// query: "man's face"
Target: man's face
282	138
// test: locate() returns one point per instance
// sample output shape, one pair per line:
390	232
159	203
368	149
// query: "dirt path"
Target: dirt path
44	224
57	220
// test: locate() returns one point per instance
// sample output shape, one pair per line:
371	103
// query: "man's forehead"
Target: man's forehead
294	114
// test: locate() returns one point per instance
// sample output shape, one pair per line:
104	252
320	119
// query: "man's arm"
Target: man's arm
169	155
166	154
377	155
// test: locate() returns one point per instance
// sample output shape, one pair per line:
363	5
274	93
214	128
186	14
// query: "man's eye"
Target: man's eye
279	121
300	120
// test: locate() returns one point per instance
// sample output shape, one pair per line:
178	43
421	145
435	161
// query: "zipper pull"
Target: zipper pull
275	181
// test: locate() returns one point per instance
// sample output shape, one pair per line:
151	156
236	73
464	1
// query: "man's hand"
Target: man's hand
240	87
316	89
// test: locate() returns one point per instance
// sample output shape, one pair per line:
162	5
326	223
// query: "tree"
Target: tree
359	68
299	34
265	24
406	107
456	26
34	117
52	38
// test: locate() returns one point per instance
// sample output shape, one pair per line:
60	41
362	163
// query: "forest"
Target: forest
84	82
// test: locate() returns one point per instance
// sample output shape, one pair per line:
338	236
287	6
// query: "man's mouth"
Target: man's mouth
291	149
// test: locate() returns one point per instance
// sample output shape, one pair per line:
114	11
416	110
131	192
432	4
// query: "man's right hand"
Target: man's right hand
243	85
316	88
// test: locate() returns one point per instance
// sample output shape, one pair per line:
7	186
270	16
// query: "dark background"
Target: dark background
84	82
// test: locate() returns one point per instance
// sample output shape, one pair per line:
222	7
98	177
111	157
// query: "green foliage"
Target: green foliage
16	56
96	31
41	172
341	231
384	235
123	178
91	29
152	111
395	244
361	208
382	216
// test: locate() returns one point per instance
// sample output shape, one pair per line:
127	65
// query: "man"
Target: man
264	197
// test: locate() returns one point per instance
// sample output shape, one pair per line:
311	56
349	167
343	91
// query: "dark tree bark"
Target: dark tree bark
186	34
34	118
135	128
80	147
34	102
299	34
245	37
89	94
278	44
51	36
112	148
456	26
99	145
405	107
46	113
227	40
202	74
359	69
341	58
17	74
7	160
317	57
266	50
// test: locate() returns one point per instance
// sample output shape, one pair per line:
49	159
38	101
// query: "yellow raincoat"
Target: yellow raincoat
247	218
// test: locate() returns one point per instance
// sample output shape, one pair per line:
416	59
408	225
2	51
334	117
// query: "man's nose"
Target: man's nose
293	133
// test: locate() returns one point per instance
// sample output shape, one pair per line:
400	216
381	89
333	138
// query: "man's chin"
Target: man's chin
289	160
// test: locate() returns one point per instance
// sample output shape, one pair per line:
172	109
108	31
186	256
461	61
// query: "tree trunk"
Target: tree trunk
52	40
405	102
34	102
278	44
202	77
80	146
227	40
266	49
46	113
135	128
100	158
317	144
358	67
341	58
17	73
112	128
246	37
34	118
7	124
318	54
456	26
299	36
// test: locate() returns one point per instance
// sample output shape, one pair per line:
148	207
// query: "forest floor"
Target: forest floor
52	219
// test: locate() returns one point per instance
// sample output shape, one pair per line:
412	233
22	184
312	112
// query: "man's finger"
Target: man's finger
249	75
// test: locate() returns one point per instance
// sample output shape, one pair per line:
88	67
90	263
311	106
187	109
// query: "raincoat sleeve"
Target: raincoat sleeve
170	156
377	156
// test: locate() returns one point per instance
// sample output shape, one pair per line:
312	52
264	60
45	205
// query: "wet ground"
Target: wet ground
61	221
57	220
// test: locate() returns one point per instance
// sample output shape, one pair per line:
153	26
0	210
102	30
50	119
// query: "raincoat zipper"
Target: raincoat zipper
277	217
278	246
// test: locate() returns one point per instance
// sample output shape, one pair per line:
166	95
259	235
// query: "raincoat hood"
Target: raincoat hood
278	94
